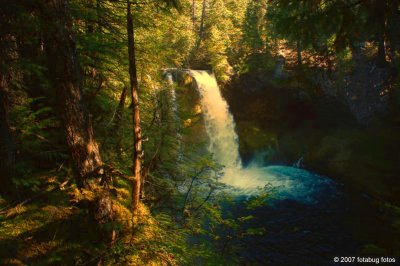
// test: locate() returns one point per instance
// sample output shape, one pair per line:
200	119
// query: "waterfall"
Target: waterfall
174	111
219	122
220	128
281	182
172	93
223	140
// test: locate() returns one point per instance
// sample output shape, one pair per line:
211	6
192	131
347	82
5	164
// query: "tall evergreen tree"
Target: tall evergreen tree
254	24
137	131
64	69
7	54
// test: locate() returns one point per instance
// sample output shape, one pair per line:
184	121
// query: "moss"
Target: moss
123	216
144	240
12	212
17	226
13	262
48	230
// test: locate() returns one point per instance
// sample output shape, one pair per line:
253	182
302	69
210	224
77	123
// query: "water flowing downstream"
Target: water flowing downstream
219	122
286	182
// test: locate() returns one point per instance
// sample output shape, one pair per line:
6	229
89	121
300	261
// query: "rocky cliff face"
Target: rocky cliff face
365	90
334	132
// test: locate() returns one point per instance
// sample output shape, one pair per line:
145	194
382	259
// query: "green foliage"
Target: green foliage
40	144
219	42
187	218
254	26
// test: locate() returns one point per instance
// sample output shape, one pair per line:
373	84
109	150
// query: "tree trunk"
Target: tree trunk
381	50
299	57
137	132
394	29
7	152
203	17
194	14
118	118
120	108
65	71
8	57
380	9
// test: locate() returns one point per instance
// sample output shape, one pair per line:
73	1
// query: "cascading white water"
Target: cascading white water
170	81
219	122
174	108
220	127
287	182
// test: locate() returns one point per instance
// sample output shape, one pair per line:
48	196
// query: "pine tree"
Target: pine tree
65	72
254	24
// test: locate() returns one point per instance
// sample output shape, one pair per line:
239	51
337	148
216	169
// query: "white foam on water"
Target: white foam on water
287	182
